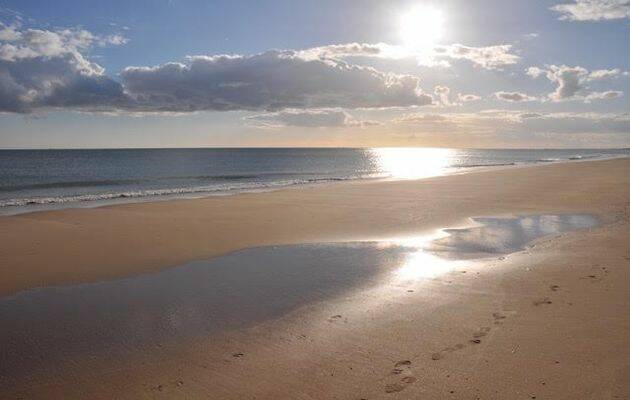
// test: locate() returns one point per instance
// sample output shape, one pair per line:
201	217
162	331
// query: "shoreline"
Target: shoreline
122	199
123	240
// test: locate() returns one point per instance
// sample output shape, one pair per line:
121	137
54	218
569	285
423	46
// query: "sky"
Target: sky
351	73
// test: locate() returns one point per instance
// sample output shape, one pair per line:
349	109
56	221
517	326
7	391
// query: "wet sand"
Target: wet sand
548	321
198	300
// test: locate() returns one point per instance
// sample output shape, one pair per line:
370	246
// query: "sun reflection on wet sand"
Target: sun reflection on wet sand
423	264
448	249
420	263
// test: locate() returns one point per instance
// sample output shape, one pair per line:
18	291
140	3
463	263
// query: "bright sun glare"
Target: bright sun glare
421	27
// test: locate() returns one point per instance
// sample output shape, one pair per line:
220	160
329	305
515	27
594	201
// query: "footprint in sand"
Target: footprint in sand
554	288
482	332
336	318
498	317
400	386
542	301
440	354
401	368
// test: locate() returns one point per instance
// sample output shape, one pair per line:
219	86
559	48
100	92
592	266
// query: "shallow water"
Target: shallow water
43	326
182	303
493	236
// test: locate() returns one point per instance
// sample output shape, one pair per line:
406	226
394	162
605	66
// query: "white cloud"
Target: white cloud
9	33
534	72
489	57
607	95
604	74
114	40
442	94
593	10
572	83
33	43
513	96
443	98
326	118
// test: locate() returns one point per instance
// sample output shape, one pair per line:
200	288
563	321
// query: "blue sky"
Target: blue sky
499	74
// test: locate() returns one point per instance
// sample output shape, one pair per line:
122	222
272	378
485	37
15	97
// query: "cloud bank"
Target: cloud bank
269	81
43	69
503	121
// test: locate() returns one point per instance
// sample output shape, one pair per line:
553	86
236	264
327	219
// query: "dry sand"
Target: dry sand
551	321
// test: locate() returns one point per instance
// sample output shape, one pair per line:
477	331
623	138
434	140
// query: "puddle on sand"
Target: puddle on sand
197	299
42	326
495	236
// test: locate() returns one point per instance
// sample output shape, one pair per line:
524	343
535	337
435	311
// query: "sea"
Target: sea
32	180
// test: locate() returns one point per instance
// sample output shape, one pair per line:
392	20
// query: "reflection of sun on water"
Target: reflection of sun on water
412	163
423	265
420	263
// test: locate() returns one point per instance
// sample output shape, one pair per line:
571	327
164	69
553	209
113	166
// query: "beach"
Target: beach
547	321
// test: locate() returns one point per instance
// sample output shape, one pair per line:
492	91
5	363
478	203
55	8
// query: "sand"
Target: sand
547	322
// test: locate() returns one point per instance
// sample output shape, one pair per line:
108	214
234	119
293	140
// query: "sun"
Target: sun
421	27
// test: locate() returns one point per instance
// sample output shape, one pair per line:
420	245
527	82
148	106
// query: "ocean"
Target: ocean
33	180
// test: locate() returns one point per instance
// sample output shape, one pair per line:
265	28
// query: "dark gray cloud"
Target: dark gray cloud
66	81
468	97
515	97
42	69
269	81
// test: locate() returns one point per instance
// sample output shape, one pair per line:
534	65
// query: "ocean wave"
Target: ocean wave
486	165
115	182
585	156
250	186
